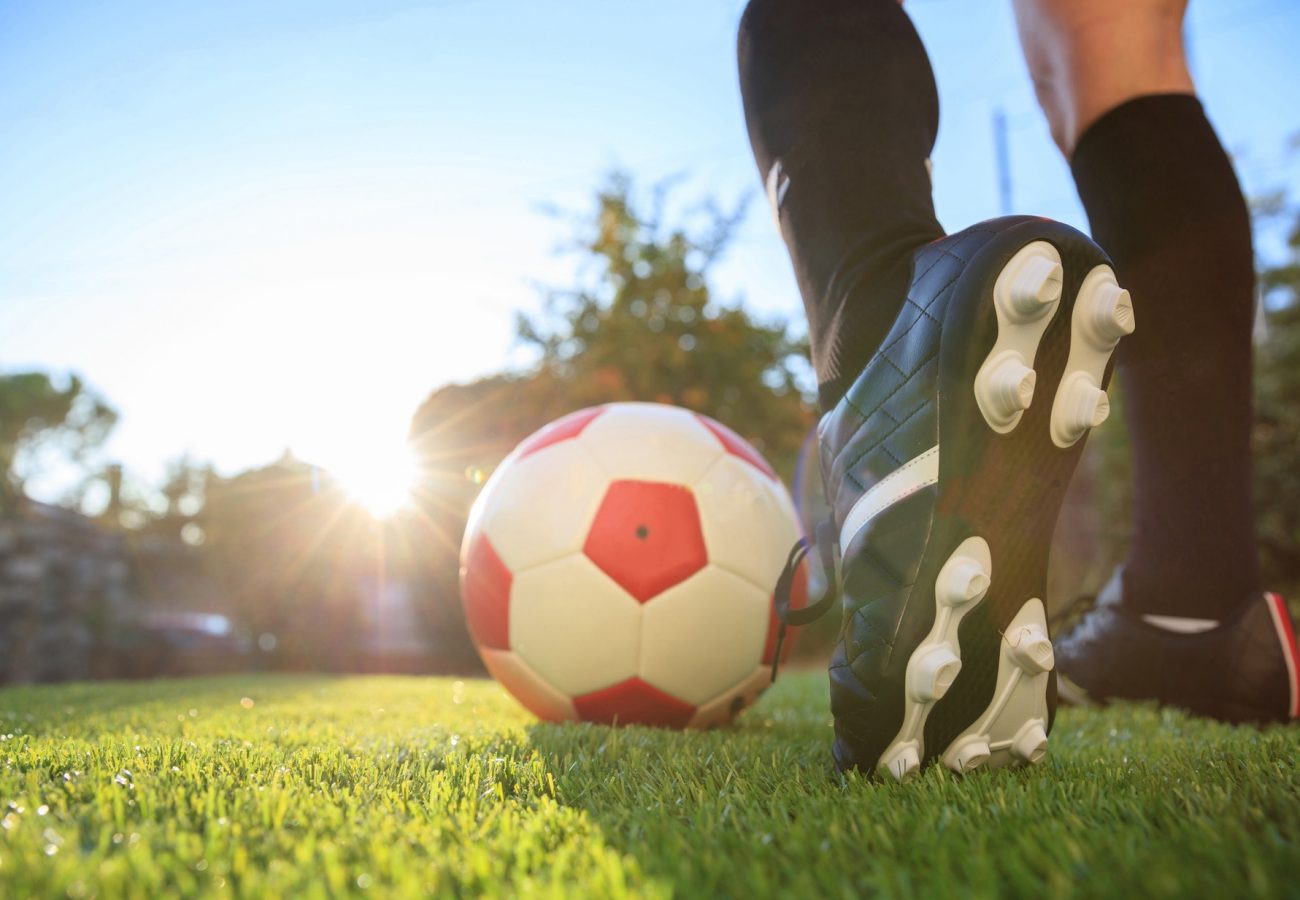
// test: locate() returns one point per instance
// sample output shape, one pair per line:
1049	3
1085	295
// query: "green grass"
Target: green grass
387	786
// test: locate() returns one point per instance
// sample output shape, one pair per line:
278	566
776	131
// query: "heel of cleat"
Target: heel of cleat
1103	314
1026	296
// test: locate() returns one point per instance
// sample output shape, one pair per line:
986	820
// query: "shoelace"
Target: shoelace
825	546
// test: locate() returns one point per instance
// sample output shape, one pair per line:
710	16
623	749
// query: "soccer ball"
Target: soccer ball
619	566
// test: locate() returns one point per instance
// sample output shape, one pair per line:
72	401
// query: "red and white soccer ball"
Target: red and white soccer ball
619	566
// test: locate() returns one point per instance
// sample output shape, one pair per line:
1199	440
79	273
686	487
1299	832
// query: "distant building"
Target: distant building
68	593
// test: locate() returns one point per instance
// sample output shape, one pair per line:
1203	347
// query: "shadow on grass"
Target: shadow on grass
757	810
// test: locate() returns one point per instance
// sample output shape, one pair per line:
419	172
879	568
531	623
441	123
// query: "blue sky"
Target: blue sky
259	225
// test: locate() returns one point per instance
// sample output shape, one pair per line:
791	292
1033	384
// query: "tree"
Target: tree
1277	423
646	326
39	419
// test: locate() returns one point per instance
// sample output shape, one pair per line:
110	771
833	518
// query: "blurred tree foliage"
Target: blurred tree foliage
647	326
39	419
1277	424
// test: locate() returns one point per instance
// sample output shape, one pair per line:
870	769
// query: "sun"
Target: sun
380	477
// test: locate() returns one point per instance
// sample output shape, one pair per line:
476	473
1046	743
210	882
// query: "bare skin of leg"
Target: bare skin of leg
1086	57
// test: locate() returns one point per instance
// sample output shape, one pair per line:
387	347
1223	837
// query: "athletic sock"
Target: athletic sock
1164	202
842	113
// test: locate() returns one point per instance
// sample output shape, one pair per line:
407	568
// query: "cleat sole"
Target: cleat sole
934	665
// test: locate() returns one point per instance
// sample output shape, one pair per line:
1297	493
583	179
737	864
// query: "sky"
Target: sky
254	226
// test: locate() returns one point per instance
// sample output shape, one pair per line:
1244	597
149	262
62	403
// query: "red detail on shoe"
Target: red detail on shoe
647	537
1286	634
485	594
737	445
798	600
633	702
562	429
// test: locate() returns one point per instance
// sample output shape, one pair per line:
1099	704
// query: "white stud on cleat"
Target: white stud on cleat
1007	386
1026	296
1030	745
961	584
969	755
1034	286
1080	405
1103	313
1013	728
1108	316
963	580
904	763
930	674
1030	648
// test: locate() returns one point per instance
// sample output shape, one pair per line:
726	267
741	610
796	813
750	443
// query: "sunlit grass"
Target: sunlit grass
308	786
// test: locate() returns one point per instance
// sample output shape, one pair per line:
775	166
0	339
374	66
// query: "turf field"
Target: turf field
313	787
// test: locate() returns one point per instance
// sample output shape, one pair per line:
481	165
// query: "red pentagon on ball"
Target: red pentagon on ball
647	537
633	702
562	429
737	445
485	594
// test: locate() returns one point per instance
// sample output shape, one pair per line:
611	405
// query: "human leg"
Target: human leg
1163	201
944	475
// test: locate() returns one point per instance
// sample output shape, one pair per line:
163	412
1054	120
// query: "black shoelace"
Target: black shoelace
825	546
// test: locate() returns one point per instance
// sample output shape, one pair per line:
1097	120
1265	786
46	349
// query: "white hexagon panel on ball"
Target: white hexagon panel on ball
574	626
748	520
650	442
538	506
704	635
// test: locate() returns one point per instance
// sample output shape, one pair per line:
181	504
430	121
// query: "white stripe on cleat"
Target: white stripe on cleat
1026	296
1103	313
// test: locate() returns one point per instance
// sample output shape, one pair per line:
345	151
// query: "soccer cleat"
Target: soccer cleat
1241	669
945	466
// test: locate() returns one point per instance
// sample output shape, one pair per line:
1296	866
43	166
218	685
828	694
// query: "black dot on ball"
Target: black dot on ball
642	532
737	704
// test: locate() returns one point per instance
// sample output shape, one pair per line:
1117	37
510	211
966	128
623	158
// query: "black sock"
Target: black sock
1164	202
840	95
